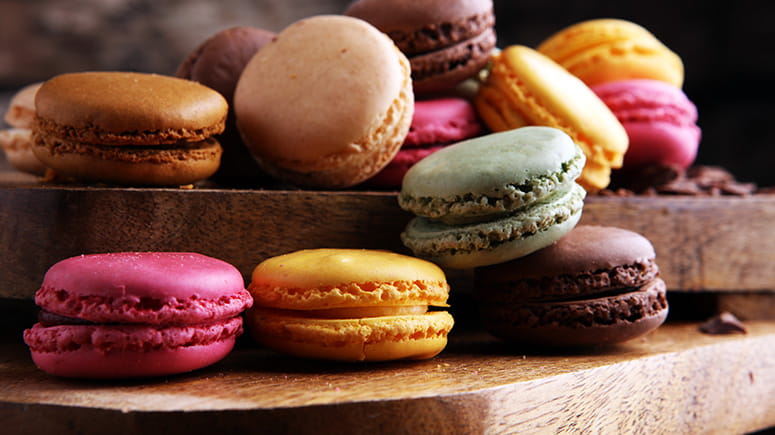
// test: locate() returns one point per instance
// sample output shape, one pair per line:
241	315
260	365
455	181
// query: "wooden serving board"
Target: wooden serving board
675	380
719	244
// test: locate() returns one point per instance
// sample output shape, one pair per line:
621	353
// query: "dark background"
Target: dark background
726	48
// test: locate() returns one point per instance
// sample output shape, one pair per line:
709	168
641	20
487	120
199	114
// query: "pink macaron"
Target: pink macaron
660	121
436	123
136	314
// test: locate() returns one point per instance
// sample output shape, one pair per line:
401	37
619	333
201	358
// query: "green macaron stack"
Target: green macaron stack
493	198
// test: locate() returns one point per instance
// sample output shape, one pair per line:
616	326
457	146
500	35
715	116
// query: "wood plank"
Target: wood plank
720	244
675	380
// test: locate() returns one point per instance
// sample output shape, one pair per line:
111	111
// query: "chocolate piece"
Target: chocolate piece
723	323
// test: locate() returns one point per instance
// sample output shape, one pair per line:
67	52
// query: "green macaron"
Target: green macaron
493	198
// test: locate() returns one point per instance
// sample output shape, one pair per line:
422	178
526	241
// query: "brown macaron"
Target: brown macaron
446	41
16	141
597	285
128	128
218	63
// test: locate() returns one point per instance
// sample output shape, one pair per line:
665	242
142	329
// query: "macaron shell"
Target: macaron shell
151	166
367	339
496	241
91	364
17	146
586	322
343	65
127	108
661	143
605	50
392	175
525	87
409	15
442	121
150	287
329	278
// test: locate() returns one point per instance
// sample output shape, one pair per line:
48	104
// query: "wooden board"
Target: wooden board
675	380
722	244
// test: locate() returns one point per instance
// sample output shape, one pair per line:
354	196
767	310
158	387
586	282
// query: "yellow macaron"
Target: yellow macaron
349	305
605	50
525	88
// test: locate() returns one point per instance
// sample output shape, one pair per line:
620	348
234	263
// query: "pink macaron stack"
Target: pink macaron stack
660	121
436	123
136	314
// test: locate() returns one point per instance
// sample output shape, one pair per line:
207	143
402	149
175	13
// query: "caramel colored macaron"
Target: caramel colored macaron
128	128
349	305
607	50
524	87
16	141
327	104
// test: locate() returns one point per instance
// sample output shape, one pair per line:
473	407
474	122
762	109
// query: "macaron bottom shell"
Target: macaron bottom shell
581	322
498	240
383	338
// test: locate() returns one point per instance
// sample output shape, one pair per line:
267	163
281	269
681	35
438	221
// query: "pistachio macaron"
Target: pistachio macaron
128	128
349	305
493	198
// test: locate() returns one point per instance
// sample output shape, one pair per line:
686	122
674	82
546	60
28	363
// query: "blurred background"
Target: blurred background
726	49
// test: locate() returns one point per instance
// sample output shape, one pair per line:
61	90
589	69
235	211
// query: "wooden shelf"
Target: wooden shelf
720	244
675	380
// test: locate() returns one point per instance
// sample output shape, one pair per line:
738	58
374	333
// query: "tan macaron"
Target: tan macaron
327	104
16	141
128	128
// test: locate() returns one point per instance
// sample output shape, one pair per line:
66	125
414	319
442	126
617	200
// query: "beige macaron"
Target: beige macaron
16	141
327	104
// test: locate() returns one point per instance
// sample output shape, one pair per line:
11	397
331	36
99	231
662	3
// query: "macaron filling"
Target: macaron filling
358	312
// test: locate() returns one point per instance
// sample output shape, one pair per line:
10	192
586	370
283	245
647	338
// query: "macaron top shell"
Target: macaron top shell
329	278
130	103
493	173
412	14
334	78
143	287
586	249
442	121
640	100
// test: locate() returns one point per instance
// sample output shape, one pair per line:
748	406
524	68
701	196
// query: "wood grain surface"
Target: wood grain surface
720	244
675	380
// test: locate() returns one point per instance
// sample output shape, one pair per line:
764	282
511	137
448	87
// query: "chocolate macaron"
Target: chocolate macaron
446	41
597	285
128	128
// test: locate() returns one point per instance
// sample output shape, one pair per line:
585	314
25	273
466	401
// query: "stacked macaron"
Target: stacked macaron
349	305
136	314
595	286
640	80
493	198
16	141
326	104
128	128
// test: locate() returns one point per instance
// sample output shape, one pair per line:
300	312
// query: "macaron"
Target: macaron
136	314
595	286
436	123
493	198
128	128
660	120
446	41
524	87
606	50
218	63
349	305
327	104
16	141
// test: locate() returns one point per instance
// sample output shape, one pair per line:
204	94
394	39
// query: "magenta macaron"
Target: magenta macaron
436	123
136	314
660	121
